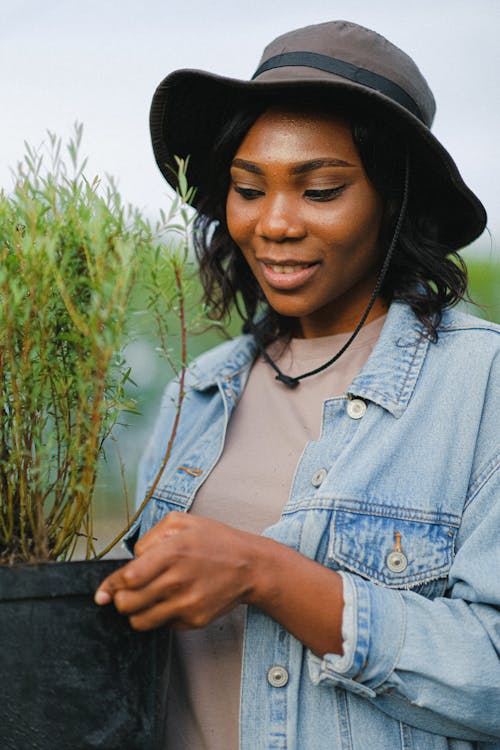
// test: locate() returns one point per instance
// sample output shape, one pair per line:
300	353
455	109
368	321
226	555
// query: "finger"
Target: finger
181	614
136	574
153	617
115	581
172	613
163	588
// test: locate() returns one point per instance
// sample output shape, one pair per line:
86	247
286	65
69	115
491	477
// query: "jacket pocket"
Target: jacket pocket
393	550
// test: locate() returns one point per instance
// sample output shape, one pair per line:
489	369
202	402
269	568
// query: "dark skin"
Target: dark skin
307	219
190	570
299	194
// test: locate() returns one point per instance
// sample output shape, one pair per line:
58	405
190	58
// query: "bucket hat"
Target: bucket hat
350	65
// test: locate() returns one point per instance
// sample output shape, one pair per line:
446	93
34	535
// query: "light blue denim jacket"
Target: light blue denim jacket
421	667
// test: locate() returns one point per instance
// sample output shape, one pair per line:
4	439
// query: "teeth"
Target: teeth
290	269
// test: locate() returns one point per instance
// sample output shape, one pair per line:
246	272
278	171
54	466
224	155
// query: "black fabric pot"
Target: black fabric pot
74	676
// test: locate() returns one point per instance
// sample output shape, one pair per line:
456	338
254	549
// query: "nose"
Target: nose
279	219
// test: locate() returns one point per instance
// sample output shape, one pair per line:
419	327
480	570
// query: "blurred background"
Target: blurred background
99	61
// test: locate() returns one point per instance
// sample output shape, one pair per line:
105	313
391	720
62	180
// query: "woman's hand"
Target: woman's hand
188	571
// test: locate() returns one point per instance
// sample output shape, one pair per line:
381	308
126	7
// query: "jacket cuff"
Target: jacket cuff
373	628
132	536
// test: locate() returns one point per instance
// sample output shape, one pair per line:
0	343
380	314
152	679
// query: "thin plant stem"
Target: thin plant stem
173	433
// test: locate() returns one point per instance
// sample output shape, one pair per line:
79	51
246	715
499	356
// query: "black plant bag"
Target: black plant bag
74	676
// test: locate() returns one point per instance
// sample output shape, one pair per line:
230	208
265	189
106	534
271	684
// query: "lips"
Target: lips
287	273
282	268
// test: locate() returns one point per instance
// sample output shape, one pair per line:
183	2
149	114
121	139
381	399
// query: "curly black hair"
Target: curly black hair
424	272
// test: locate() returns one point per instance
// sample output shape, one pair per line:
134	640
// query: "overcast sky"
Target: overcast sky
99	61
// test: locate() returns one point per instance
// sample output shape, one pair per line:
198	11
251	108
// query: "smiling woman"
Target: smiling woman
307	220
323	541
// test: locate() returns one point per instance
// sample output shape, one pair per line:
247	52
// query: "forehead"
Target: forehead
287	134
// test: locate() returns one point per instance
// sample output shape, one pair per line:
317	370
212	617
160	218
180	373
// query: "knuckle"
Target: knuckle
109	584
121	602
195	612
140	622
199	620
130	576
177	518
171	518
138	547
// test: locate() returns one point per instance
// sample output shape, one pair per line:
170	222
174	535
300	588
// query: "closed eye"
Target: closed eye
324	195
249	194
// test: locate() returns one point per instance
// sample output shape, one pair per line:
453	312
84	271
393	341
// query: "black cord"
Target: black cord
294	382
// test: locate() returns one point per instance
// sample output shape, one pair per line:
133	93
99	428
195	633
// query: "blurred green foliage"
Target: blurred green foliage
82	277
67	267
484	275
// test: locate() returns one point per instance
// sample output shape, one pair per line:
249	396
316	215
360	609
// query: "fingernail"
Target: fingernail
102	597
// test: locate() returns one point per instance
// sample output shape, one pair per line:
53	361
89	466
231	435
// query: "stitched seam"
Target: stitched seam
352	505
354	606
455	327
406	736
435	574
175	497
397	655
344	722
364	390
418	347
421	342
483	477
222	370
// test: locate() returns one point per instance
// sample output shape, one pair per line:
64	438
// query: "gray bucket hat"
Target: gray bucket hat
352	65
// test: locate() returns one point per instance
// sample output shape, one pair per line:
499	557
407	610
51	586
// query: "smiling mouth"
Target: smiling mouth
288	268
289	275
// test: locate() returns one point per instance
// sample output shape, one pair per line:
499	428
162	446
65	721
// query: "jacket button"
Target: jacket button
277	676
397	562
356	408
318	477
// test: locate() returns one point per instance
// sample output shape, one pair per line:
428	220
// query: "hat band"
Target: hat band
344	70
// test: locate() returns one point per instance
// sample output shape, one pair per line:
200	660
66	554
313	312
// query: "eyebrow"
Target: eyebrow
307	166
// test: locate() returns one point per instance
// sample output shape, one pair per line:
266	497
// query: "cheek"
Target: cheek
358	225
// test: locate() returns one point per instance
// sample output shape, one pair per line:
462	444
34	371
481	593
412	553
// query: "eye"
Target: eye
324	195
249	194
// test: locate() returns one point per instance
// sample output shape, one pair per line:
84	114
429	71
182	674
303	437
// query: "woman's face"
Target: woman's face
307	219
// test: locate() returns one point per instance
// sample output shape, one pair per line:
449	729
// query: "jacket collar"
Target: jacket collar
223	363
388	377
390	374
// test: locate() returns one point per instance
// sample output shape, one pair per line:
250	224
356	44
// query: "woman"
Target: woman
364	442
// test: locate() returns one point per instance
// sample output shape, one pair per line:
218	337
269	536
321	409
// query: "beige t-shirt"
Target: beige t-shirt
247	489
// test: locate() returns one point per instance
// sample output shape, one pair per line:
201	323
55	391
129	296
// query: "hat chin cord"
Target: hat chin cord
294	382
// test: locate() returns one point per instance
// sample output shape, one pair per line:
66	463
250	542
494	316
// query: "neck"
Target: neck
334	324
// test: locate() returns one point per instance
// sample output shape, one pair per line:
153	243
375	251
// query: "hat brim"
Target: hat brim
190	107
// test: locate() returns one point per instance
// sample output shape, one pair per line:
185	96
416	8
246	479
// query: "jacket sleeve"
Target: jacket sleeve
432	664
151	459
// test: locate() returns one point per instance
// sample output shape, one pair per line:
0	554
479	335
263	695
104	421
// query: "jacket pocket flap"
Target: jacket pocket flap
394	551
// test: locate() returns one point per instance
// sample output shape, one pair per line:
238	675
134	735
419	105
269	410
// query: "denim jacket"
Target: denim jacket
403	499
